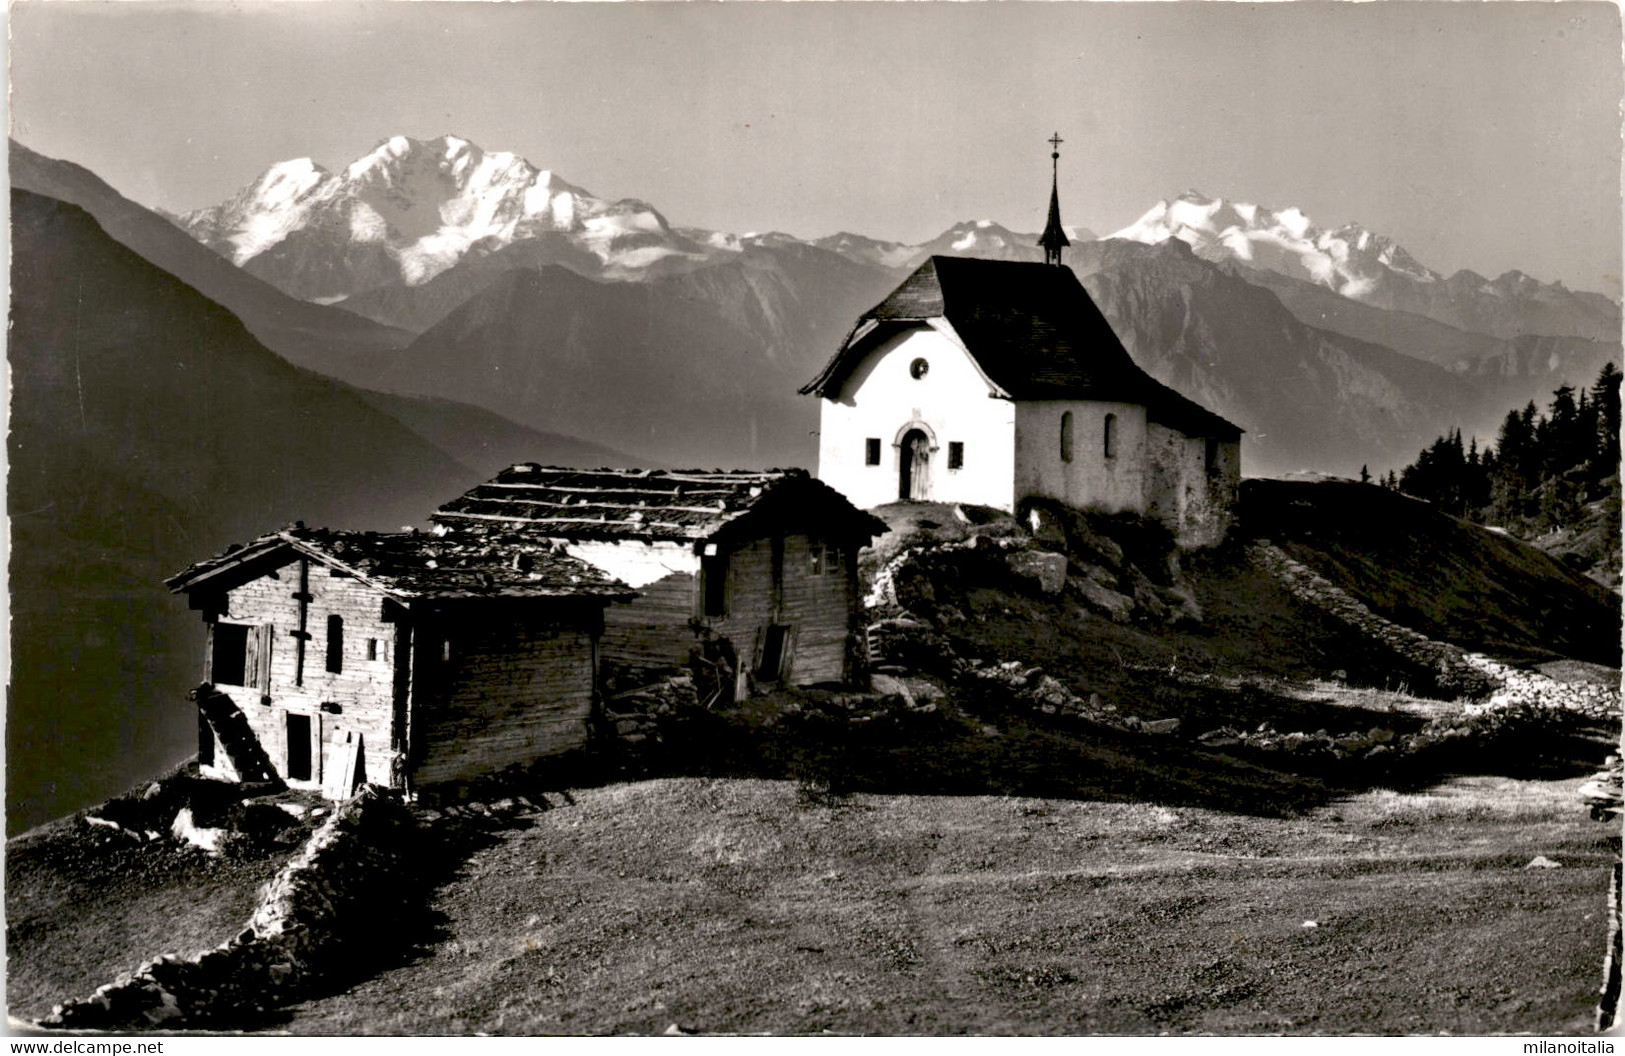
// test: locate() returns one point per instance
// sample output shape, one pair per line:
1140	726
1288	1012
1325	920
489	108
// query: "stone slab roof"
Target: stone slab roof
418	565
654	505
1033	331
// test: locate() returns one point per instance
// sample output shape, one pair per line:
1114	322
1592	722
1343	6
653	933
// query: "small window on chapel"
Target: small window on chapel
1110	439
871	451
956	454
1210	455
1066	436
918	369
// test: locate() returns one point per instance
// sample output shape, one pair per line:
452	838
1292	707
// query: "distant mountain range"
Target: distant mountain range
708	331
1373	269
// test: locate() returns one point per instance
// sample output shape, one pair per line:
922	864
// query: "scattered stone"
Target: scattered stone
924	691
1540	861
1046	569
296	809
206	839
1160	726
1108	602
103	822
891	686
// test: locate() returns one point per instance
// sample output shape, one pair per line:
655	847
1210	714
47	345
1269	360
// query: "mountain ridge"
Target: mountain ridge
1372	268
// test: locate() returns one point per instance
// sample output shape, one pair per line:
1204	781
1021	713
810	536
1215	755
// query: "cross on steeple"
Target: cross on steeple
1054	238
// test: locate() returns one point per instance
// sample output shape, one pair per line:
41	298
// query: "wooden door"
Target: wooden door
914	472
298	747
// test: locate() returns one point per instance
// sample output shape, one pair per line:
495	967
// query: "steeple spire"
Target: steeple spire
1054	239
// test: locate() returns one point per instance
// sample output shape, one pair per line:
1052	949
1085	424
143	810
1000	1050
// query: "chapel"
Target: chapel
993	381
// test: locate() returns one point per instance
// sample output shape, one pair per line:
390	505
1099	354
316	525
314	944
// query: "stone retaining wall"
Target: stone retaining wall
1517	686
1496	685
1446	662
330	892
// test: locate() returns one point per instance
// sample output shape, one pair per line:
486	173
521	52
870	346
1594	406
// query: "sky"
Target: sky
1477	135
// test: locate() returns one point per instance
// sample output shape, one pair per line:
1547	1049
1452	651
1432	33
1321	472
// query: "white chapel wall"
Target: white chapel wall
1092	480
881	397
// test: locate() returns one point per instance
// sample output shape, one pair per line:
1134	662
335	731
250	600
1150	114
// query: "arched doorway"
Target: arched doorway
914	466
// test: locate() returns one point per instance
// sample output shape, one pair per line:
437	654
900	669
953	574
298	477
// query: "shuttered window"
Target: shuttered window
714	585
335	643
257	664
871	451
229	655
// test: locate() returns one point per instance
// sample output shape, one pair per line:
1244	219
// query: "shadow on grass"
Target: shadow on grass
406	927
977	747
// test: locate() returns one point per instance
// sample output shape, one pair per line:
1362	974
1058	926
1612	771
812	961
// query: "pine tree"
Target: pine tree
1605	401
1545	472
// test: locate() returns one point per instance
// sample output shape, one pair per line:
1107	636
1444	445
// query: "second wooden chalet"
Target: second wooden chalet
756	573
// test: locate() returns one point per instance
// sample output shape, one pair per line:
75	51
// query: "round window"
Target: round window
918	368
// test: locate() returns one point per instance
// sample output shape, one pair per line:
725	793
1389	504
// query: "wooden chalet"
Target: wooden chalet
751	576
337	658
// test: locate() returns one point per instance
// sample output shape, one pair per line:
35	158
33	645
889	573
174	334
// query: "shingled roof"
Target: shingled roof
1033	331
412	565
651	505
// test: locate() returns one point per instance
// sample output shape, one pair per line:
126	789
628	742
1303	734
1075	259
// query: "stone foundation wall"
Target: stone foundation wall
328	893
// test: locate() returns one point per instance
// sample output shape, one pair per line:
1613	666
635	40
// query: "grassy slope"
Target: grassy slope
1154	887
1003	873
740	906
81	909
1252	630
1444	577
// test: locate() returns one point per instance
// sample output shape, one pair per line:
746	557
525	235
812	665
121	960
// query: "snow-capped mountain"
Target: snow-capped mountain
1372	268
1350	259
412	209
